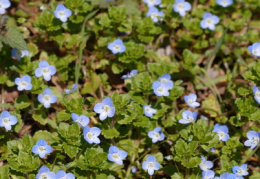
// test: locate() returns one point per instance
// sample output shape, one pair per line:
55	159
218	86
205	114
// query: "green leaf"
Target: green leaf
117	13
163	67
133	52
63	115
70	150
4	172
110	133
14	39
22	102
181	147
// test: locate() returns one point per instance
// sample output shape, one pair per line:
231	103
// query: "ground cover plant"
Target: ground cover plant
129	89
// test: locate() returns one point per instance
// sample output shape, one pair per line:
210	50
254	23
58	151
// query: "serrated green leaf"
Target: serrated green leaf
110	133
14	39
22	102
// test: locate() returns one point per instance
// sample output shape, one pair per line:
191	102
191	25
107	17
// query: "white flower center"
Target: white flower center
90	135
1	5
106	108
23	83
163	80
254	51
80	122
147	109
150	164
61	13
224	2
45	70
160	89
63	178
221	134
154	15
190	101
257	93
117	47
255	140
240	171
209	21
156	134
115	156
47	97
180	6
6	120
42	148
190	118
44	176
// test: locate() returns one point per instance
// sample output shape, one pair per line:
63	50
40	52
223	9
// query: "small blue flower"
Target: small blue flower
148	111
222	132
41	148
240	170
209	174
227	175
105	108
213	150
7	120
253	139
45	70
45	173
81	120
63	175
224	3
150	164
133	169
23	83
160	89
155	14
181	6
47	98
151	3
255	49
256	92
156	135
190	100
117	46
18	54
188	117
132	74
4	4
205	165
116	155
91	134
168	157
209	21
166	79
73	88
62	13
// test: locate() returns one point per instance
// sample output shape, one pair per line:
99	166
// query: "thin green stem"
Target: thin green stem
250	154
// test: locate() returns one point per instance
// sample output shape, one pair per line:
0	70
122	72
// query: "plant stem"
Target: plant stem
250	154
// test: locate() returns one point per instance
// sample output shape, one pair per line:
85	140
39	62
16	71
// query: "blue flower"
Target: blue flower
155	14
63	175
133	169
23	83
62	13
116	155
132	74
166	79
205	165
105	108
46	98
117	46
148	111
81	120
151	3
240	170
18	54
45	173
209	174
255	49
213	150
160	89
209	21
188	117
91	134
45	70
226	175
150	164
181	6
222	132
256	92
190	100
73	88
156	134
7	120
224	3
4	4
41	148
253	139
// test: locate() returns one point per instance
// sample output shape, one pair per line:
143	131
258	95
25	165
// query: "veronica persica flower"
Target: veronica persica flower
181	6
41	148
156	135
222	132
190	100
226	176
47	98
117	46
255	49
45	173
256	92
7	120
155	14
91	134
45	70
105	108
133	169
82	120
151	3
62	13
116	155
209	174
148	111
150	164
160	89
18	54
132	74
4	4
205	165
253	139
209	21
166	79
63	175
23	83
72	89
240	170
224	3
188	117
